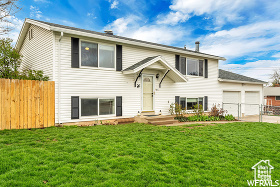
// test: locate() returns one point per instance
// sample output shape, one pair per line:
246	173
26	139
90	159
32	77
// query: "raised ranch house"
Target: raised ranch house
104	76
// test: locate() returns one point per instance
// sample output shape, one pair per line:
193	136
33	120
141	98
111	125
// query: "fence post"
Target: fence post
238	110
261	112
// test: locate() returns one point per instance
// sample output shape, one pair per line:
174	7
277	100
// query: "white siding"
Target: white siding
38	52
101	83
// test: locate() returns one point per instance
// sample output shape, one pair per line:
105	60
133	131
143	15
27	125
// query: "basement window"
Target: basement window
89	107
191	102
96	106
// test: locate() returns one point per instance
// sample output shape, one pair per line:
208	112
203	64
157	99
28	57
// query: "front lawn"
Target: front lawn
138	155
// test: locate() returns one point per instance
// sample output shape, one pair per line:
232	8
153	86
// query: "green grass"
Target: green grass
138	155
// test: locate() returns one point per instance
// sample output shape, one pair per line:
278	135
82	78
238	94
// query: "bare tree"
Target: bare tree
8	8
275	77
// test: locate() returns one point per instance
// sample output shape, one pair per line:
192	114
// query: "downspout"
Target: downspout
58	75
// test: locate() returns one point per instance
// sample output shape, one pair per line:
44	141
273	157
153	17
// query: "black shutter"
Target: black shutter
177	99
177	62
205	103
75	53
201	67
206	69
183	65
119	106
75	107
119	58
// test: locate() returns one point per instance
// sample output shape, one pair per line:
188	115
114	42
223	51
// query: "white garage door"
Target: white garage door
231	99
252	101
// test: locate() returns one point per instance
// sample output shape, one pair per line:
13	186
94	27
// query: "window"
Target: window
97	55
195	67
183	102
191	102
89	107
107	56
277	98
89	54
106	106
182	65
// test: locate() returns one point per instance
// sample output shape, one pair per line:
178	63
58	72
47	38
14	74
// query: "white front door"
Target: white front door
148	92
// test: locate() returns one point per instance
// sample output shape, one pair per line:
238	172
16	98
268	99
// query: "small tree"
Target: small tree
198	110
275	77
8	8
10	61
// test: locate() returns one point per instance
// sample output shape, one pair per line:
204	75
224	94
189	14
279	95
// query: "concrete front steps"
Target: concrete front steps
156	119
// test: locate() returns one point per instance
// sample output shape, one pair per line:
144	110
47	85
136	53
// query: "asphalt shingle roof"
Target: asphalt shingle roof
121	37
138	64
233	76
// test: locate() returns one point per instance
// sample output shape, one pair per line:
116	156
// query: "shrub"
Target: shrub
172	109
229	117
216	111
198	110
177	110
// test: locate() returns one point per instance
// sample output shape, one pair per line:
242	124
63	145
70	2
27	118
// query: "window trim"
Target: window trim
98	98
98	65
276	98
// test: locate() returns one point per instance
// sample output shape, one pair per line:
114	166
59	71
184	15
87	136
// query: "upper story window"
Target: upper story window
182	65
195	67
97	55
107	56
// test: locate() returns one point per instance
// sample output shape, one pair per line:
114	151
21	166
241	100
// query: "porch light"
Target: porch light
159	112
138	113
157	76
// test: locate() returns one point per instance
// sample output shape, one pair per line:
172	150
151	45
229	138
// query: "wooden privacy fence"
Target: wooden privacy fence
26	104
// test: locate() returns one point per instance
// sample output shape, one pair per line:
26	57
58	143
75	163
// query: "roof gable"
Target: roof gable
60	28
227	75
174	74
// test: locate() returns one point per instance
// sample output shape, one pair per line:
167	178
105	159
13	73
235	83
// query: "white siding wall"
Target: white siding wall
92	82
38	52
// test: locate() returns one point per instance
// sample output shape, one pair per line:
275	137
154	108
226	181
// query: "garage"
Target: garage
252	102
231	99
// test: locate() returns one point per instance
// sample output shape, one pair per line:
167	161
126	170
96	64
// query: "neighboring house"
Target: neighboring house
272	96
102	76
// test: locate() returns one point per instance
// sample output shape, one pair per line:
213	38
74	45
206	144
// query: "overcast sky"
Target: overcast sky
245	32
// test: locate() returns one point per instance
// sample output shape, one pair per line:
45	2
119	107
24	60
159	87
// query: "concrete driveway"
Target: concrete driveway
265	118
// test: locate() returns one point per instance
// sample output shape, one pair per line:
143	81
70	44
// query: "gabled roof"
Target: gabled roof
271	91
142	62
89	33
173	73
227	76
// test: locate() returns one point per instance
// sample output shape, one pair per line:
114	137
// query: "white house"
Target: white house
104	76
